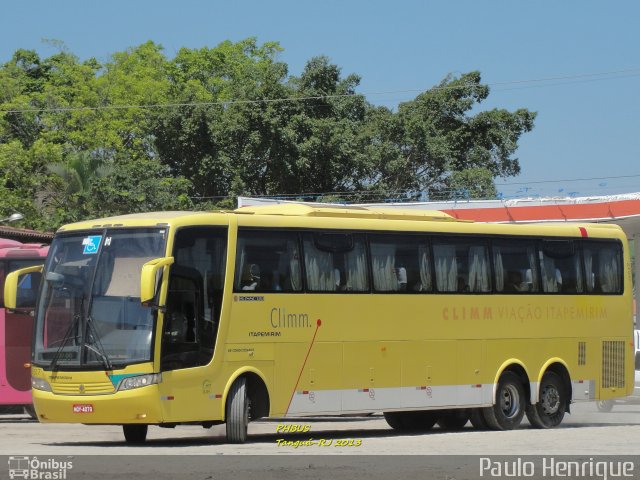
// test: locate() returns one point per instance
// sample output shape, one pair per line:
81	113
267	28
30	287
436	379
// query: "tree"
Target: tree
68	189
82	139
475	182
434	135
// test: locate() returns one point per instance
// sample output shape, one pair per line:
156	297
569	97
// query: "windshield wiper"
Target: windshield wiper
65	339
100	351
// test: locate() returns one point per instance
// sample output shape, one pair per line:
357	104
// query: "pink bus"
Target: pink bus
16	329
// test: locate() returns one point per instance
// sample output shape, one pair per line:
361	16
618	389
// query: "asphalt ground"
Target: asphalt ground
589	445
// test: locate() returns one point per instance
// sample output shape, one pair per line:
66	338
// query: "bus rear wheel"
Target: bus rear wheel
508	410
477	419
237	412
453	419
135	433
552	403
411	421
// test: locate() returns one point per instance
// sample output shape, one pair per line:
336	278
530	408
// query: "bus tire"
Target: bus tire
454	419
411	421
477	419
135	434
552	403
237	412
509	408
605	406
31	411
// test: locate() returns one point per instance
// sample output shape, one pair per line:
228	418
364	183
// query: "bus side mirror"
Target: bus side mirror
148	278
11	285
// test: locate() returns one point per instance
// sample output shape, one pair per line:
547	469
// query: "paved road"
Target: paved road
584	432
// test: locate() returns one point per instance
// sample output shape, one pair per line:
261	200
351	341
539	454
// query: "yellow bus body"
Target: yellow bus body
356	353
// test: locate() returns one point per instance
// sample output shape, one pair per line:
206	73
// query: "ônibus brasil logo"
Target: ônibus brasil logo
35	469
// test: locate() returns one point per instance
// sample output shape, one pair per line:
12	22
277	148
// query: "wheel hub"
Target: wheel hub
550	400
510	401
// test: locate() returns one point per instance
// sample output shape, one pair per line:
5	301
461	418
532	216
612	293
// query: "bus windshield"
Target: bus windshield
89	313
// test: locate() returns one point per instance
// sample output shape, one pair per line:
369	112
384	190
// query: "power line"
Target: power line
531	83
569	180
402	193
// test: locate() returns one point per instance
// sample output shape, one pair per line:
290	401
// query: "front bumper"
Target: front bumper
140	405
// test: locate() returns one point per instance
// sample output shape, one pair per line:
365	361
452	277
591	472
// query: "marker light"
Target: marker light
138	381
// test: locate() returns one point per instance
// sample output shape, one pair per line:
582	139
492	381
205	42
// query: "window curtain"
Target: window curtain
588	268
531	275
319	265
383	259
446	268
498	266
609	274
478	270
579	282
294	266
356	265
425	269
549	278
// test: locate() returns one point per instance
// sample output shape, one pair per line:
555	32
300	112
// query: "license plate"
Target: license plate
83	408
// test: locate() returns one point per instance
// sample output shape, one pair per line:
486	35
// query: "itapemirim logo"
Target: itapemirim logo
35	469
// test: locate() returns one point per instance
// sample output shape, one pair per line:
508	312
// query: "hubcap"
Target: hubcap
550	399
510	401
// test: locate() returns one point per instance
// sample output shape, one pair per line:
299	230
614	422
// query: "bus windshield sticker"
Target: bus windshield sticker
91	244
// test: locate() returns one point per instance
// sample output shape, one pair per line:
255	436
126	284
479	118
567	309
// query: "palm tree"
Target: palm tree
71	181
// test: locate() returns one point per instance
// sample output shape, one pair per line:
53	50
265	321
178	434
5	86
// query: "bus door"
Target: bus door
190	324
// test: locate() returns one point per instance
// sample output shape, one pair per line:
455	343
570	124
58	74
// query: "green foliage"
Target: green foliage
230	120
475	182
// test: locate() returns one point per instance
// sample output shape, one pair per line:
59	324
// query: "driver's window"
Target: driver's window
194	297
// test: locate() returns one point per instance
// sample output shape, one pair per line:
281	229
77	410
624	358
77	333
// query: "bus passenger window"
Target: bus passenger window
267	261
461	266
515	265
602	266
560	266
328	253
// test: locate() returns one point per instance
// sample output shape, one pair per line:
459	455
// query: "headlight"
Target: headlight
40	384
138	381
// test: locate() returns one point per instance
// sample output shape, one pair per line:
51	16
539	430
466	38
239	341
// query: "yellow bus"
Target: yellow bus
290	310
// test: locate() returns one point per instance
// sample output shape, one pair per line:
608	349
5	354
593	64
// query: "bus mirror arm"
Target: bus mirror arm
148	280
11	287
154	306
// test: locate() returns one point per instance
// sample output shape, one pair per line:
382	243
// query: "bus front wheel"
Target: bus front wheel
31	411
552	403
135	433
508	410
237	412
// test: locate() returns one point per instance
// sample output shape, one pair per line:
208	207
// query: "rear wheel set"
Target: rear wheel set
552	403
